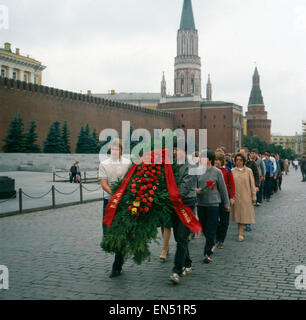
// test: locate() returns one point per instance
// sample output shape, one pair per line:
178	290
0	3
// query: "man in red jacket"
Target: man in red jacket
223	214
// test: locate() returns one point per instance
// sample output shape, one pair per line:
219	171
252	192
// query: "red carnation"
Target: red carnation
151	199
130	208
133	185
151	192
158	167
158	172
144	200
146	209
134	190
154	188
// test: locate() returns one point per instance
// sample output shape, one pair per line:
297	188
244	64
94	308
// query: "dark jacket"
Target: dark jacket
253	166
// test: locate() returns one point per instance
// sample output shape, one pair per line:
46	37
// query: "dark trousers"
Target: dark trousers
260	192
275	184
181	233
268	186
208	217
119	260
223	223
304	175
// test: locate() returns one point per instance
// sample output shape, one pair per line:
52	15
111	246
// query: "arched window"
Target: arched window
192	86
182	85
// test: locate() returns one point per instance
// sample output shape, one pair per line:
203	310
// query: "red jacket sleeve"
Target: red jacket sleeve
232	191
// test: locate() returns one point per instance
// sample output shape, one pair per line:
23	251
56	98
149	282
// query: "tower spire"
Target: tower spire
187	19
209	90
256	95
163	91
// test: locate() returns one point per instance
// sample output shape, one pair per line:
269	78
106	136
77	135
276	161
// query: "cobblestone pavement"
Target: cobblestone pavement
55	254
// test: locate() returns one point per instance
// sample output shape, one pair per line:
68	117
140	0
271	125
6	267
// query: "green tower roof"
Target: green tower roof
187	20
256	95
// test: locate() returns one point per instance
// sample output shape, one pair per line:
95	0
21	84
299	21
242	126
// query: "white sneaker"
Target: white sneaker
175	278
186	271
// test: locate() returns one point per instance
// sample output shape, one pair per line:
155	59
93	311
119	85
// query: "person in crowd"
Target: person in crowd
110	170
275	173
252	165
223	222
286	166
211	192
303	168
295	164
187	187
280	171
73	173
262	174
78	175
196	161
269	176
242	212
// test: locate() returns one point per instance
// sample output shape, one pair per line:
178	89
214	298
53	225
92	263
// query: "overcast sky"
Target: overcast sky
126	44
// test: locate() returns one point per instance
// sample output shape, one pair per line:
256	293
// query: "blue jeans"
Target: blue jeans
223	223
119	260
208	217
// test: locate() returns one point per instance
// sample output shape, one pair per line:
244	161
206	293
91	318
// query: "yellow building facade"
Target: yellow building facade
18	67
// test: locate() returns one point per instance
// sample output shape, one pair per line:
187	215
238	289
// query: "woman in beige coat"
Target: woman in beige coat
242	211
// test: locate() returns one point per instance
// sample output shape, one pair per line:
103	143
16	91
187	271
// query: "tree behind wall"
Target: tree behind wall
66	138
54	142
87	143
14	141
30	139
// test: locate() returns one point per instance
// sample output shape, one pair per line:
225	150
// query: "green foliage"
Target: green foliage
14	141
87	143
30	139
66	138
254	142
54	142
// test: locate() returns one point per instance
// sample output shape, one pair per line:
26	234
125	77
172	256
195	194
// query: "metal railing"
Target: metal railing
53	190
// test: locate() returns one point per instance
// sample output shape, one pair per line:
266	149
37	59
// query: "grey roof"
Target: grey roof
187	20
130	96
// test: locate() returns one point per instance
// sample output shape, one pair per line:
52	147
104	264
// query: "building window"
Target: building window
14	75
35	80
2	73
182	85
192	86
224	116
25	78
215	117
182	116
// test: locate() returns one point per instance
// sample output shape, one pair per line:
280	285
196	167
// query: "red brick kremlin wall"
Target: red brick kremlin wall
46	105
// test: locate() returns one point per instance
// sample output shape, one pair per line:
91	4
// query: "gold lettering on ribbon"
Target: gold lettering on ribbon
184	213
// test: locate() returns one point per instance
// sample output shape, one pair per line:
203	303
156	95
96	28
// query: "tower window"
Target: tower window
2	73
215	117
192	86
182	85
